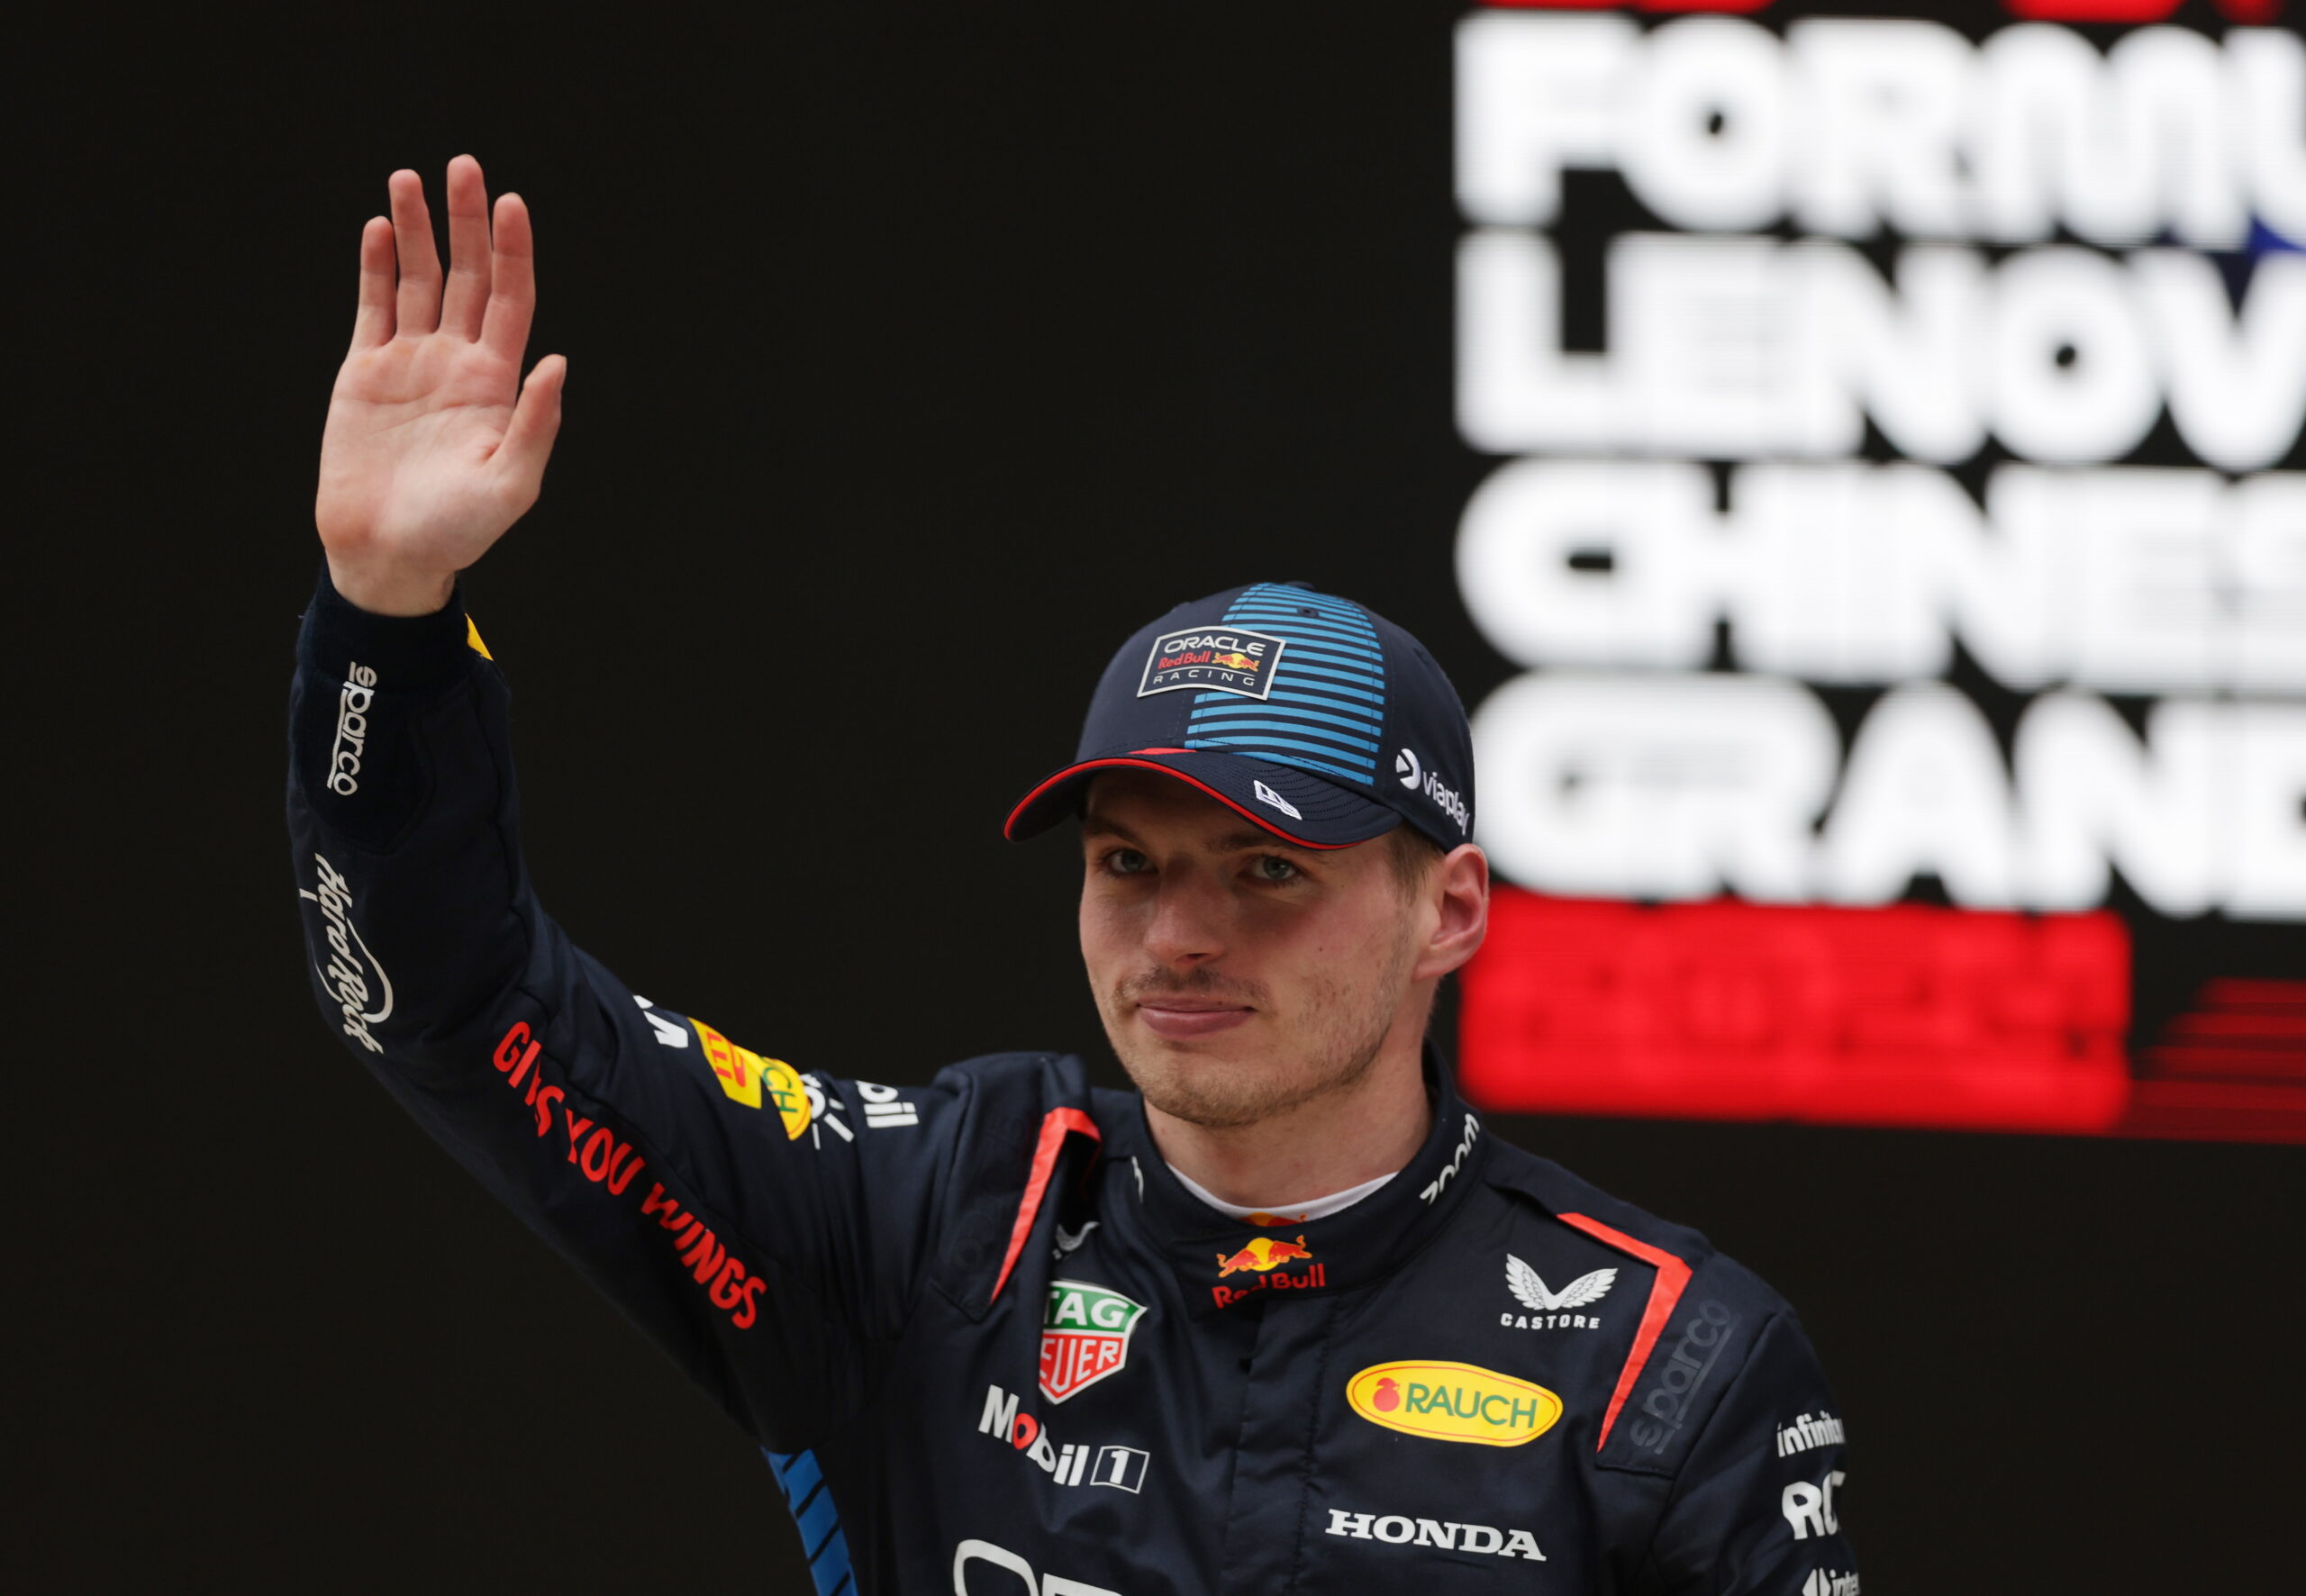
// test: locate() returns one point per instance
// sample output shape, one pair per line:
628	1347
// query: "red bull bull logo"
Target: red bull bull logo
1263	1253
1234	661
1263	1256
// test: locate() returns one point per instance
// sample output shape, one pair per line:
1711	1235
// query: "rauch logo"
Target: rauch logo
1446	1402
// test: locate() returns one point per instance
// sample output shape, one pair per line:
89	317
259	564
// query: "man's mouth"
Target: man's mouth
1182	1018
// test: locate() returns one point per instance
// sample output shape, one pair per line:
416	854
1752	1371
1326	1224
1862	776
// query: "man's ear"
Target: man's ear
1459	889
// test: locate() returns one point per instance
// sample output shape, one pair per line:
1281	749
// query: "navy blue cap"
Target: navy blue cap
1318	719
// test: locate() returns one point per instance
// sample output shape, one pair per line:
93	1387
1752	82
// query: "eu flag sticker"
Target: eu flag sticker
1212	659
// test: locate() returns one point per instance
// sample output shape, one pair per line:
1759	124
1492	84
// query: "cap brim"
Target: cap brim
1294	805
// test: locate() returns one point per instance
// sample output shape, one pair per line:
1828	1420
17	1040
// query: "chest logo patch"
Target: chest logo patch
1214	659
1445	1401
1084	1336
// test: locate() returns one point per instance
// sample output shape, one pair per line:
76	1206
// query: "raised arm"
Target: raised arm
433	448
728	1203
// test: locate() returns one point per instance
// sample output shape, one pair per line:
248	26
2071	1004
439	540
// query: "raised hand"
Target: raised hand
433	448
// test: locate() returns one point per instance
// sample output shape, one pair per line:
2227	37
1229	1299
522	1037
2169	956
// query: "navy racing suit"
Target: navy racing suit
987	1340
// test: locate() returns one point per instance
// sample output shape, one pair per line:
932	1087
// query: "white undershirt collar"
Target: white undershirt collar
1292	1213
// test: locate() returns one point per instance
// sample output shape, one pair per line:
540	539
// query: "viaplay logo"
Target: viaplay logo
1412	774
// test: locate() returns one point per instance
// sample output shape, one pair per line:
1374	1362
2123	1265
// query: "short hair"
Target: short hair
1411	855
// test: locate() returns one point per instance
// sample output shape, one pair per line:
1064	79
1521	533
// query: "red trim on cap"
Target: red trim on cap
1666	1291
1008	826
1055	1126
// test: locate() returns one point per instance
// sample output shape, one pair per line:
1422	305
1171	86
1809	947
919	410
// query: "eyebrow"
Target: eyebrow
1093	824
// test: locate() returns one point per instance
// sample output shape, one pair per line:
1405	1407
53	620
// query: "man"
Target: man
1285	1319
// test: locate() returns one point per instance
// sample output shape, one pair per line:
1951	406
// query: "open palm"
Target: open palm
433	448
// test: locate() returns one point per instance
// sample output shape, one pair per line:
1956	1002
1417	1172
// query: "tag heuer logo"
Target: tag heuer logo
1084	1336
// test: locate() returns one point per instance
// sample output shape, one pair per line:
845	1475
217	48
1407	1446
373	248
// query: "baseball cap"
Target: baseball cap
1310	714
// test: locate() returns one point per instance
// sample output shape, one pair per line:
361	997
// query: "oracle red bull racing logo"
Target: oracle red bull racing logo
1263	1257
1215	659
1084	1336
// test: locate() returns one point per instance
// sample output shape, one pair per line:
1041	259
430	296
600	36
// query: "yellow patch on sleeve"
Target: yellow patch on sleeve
744	1077
472	639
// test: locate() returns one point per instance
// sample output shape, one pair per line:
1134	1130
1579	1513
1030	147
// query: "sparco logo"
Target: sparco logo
351	729
1807	1434
1417	778
1667	1407
351	973
1396	1530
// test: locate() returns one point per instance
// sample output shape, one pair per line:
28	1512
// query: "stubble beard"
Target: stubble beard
1344	1030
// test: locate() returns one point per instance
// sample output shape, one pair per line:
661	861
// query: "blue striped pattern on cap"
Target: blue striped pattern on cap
1326	709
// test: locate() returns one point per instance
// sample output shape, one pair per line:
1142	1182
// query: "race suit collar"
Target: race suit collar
1223	1262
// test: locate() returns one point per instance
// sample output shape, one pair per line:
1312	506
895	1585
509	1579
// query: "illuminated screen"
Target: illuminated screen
1897	516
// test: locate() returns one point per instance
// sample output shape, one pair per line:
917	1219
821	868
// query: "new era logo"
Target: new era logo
1267	795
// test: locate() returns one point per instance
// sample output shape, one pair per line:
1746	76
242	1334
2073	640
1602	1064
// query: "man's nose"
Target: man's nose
1188	925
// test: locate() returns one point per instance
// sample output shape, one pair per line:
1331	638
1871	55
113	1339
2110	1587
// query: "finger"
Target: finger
418	306
372	323
466	298
536	423
513	291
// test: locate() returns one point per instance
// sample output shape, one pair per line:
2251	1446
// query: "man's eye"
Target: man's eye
1274	867
1126	861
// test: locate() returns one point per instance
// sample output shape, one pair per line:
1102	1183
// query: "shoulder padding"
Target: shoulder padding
1705	1315
1028	1136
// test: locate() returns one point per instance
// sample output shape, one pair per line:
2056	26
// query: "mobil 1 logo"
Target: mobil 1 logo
1213	659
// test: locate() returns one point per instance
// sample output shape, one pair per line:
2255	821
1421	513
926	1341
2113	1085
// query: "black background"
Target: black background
918	355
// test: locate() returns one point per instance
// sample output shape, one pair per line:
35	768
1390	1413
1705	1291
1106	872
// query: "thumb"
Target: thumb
536	423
